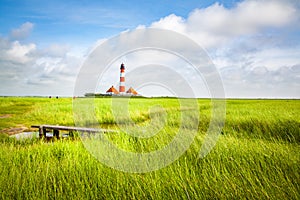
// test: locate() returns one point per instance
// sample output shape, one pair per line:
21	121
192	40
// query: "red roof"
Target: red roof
131	91
112	90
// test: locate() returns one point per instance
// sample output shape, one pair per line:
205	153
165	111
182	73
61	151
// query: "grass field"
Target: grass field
257	155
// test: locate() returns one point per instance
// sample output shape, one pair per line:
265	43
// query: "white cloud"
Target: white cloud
19	53
261	82
27	69
253	15
246	43
274	58
215	25
171	22
22	32
56	50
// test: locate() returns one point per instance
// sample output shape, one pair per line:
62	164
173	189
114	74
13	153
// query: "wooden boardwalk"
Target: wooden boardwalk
43	129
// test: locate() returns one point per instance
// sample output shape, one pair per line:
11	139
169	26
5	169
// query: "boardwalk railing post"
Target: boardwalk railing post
44	132
56	133
41	132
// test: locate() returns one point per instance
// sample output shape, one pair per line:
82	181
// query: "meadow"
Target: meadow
257	155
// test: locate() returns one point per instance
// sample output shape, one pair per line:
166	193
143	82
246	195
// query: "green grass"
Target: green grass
29	111
257	155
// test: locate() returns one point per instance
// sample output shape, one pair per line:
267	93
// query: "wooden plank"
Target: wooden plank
70	128
44	128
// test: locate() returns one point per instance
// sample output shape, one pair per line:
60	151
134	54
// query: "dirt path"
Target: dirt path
14	130
5	116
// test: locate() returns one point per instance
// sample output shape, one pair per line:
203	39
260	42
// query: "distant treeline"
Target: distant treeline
98	95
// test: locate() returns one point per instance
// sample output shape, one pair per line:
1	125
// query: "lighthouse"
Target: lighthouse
122	79
114	92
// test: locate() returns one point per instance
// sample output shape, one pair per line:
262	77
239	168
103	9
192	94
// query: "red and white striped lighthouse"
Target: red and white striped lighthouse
122	79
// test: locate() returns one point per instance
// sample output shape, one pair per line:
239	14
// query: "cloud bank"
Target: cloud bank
250	44
29	70
216	25
255	45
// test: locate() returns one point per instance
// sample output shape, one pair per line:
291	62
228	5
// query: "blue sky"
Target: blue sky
71	21
254	44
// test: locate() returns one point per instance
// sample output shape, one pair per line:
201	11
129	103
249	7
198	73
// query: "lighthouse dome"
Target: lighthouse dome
122	66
